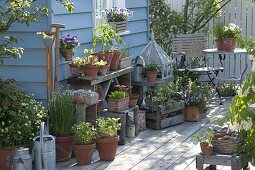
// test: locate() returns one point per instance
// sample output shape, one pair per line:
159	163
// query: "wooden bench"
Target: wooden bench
236	162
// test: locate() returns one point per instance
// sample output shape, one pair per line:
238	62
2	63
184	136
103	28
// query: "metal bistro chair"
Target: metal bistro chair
187	50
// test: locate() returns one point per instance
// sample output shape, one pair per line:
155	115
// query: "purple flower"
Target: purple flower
69	42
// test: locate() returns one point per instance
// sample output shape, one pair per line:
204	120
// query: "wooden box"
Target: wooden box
125	62
193	113
117	105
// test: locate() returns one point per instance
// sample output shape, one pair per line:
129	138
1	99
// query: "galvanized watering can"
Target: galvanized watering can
137	72
22	159
44	151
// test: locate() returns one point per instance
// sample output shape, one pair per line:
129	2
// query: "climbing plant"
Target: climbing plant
22	12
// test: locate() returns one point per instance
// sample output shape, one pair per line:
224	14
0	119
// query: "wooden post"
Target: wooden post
57	27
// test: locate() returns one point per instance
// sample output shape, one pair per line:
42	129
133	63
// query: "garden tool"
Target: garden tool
57	28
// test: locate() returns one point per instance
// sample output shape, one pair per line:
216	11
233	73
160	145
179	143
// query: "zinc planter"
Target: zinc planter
119	26
107	148
67	53
84	153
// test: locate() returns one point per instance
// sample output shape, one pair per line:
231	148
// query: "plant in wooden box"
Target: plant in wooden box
63	116
205	139
197	97
118	101
227	90
106	36
75	66
20	118
107	138
151	71
118	18
84	135
125	59
225	36
90	64
67	44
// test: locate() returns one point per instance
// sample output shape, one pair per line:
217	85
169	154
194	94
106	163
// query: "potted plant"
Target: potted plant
133	100
205	138
225	36
19	121
84	135
151	71
107	138
106	36
63	116
75	66
67	44
90	64
118	18
118	101
197	97
227	89
125	60
103	67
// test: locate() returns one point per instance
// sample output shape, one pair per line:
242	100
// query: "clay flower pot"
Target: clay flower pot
6	155
206	149
133	100
107	148
103	70
226	44
91	70
64	148
106	56
115	60
76	71
67	53
84	153
151	76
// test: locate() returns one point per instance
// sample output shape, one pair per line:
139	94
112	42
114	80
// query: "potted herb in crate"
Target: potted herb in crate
125	59
84	135
107	138
106	36
151	71
118	101
63	116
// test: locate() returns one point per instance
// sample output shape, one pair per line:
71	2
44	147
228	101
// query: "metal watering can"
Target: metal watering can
137	72
44	151
22	159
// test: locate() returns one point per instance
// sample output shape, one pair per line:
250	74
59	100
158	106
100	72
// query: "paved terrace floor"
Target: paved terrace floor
171	148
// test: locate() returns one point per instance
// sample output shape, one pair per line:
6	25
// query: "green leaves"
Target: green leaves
107	128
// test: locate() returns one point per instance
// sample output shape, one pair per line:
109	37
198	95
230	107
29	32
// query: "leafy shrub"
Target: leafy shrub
118	95
20	115
84	133
107	128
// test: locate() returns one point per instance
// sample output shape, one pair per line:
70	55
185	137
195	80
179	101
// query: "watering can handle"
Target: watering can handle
41	142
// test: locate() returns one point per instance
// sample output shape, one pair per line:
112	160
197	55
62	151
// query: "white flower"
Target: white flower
245	93
253	88
19	132
246	125
3	123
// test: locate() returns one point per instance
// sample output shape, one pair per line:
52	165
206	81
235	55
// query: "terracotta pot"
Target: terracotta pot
226	44
100	106
6	155
193	113
207	150
76	71
91	70
64	148
78	99
107	148
133	100
115	60
106	56
103	70
151	76
84	153
67	53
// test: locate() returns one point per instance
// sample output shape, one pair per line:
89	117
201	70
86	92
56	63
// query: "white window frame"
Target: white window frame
104	4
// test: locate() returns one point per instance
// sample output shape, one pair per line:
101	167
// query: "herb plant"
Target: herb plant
227	89
62	114
118	95
107	128
84	133
205	136
152	67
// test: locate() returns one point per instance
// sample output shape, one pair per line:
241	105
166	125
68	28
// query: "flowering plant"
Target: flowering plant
84	133
90	60
231	31
20	115
116	14
77	61
69	42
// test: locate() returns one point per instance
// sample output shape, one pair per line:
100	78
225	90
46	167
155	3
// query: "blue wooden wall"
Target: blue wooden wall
30	70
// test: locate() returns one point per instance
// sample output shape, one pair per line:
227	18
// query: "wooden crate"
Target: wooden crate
118	105
125	62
